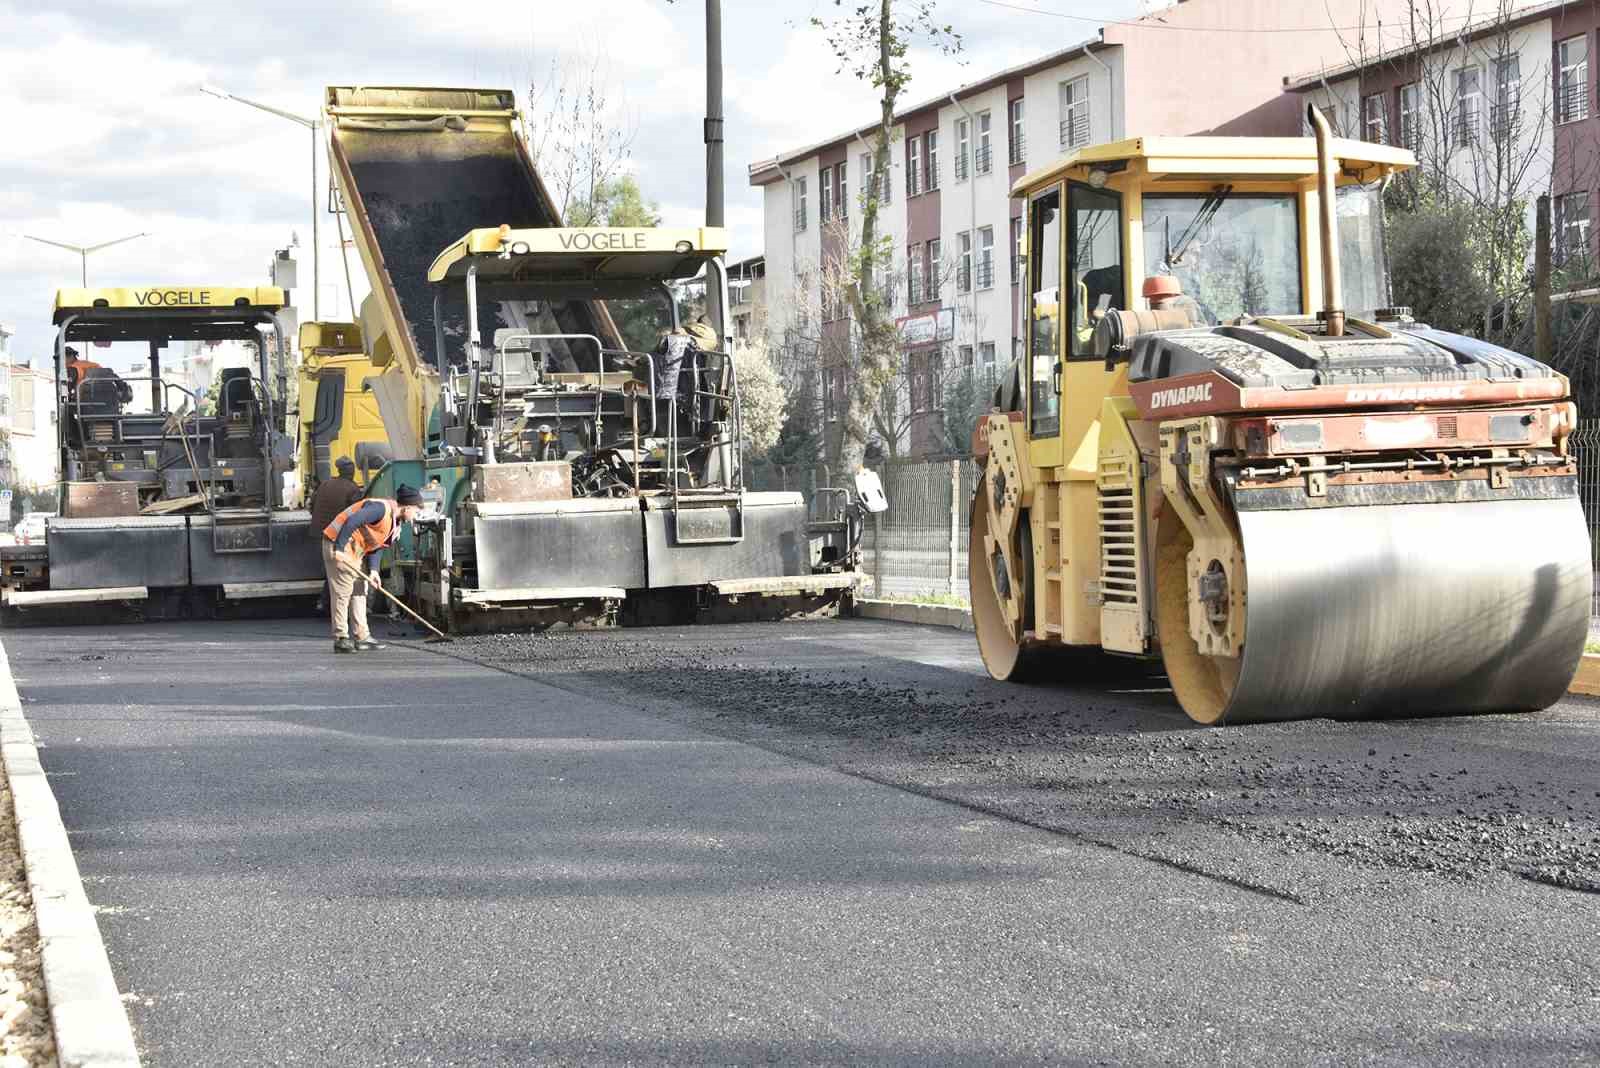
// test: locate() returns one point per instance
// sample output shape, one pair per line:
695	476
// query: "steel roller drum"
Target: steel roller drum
1405	609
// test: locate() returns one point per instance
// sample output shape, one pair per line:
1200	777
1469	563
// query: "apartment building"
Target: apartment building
1197	67
1504	105
7	476
31	426
747	295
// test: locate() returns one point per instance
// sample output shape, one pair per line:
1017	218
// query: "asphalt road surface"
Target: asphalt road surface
824	842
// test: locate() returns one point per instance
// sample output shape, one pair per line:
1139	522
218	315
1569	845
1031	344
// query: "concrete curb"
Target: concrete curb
86	1012
933	615
1587	680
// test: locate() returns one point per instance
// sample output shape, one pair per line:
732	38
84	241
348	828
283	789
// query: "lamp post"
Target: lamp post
83	251
313	125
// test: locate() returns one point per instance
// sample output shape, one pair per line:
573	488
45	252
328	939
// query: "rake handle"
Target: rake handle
398	603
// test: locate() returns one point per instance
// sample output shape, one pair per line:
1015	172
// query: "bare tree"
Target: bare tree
871	42
579	127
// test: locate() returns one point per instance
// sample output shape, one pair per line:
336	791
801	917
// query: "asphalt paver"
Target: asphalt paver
825	842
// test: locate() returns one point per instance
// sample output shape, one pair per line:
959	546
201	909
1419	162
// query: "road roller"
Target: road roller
1224	447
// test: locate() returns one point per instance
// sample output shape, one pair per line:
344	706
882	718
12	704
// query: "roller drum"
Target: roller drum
1411	608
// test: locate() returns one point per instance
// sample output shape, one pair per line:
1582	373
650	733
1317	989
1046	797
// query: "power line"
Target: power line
1152	22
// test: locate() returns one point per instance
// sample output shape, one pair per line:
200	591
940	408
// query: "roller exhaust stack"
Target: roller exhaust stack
1332	284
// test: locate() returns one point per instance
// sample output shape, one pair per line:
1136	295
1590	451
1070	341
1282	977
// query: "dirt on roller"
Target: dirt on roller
1307	811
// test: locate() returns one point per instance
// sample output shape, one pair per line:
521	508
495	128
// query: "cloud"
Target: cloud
107	133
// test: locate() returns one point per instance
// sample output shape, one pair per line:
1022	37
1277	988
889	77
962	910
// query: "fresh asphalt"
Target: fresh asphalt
668	847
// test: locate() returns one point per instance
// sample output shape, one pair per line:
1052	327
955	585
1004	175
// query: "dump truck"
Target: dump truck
338	412
171	503
577	432
1223	447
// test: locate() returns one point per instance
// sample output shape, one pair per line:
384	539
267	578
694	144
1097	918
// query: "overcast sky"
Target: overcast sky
107	133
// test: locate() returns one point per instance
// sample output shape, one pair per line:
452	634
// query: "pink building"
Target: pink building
1195	67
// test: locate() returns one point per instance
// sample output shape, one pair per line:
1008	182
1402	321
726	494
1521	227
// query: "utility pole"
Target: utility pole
1542	344
714	215
315	126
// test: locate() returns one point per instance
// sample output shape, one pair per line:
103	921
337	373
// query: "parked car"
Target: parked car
31	530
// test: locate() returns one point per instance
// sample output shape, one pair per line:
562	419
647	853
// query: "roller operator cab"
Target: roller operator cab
1222	447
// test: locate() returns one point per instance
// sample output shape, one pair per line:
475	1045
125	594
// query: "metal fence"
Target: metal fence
918	548
1585	442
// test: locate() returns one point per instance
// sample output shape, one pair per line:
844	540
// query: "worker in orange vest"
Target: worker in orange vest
351	545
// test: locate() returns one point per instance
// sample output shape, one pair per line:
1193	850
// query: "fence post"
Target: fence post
955	523
877	555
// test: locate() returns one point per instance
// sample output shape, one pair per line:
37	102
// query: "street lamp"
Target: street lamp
313	125
83	251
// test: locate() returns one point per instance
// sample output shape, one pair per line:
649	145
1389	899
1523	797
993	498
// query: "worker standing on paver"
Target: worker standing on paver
351	545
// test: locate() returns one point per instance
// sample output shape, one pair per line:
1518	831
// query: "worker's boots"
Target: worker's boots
343	645
367	645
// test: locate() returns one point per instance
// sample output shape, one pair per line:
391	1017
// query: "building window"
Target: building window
983	159
1016	250
1410	115
1507	98
1075	112
1469	104
963	147
1018	145
842	204
913	166
935	270
885	191
1373	121
964	262
986	353
832	392
799	204
930	142
964	355
985	257
1572	79
825	195
1572	228
926	394
914	256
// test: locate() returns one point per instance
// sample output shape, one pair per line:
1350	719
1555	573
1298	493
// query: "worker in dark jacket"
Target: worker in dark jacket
334	495
351	545
331	498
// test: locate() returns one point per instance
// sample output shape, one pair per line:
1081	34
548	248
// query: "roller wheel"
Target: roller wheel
1006	657
1203	684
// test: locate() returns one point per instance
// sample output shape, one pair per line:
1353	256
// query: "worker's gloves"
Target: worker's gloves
373	579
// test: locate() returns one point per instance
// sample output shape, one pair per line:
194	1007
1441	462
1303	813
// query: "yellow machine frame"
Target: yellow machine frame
1092	580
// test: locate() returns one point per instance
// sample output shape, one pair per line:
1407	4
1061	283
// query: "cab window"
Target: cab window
1094	262
1044	313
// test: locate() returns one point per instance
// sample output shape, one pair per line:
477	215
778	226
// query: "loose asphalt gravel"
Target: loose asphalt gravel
825	842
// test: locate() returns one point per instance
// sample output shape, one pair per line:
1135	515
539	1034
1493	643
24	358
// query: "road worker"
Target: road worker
333	496
351	545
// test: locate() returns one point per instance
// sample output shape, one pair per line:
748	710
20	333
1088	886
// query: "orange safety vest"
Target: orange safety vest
371	536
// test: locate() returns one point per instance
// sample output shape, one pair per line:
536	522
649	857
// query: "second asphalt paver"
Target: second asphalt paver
664	847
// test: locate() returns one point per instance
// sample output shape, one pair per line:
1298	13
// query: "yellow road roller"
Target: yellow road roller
1222	445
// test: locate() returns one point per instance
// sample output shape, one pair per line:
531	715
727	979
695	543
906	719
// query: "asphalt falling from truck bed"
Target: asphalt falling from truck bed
1268	806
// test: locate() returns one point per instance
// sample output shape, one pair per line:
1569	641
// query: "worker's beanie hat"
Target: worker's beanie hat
407	495
346	466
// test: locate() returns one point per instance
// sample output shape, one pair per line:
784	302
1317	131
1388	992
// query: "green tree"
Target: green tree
761	398
620	202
